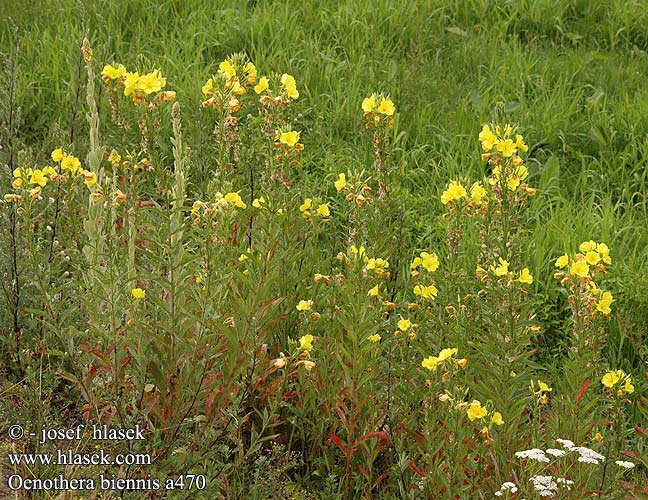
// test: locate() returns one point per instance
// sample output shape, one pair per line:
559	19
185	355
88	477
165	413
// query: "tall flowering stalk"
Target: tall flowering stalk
379	114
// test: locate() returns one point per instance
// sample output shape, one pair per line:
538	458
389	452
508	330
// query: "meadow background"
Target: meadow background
570	74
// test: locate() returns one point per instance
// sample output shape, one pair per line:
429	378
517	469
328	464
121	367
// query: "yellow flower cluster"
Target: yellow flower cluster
221	202
541	392
430	263
501	269
377	106
612	378
502	152
306	209
431	362
137	85
456	191
37	179
582	268
290	139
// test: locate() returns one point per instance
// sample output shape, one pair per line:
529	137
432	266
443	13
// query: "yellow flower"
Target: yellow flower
289	85
525	276
519	143
308	203
90	178
502	269
604	303
454	192
604	252
289	138
374	292
611	378
374	338
542	387
304	305
562	261
235	199
138	293
238	89
368	104
628	387
360	252
257	202
37	177
477	193
487	138
208	87
404	324
446	353
506	147
340	183
579	268
9	197
323	210
513	182
430	362
242	257
262	86
586	246
250	70
226	68
592	257
377	265
497	418
386	107
57	155
476	410
70	163
280	362
151	82
130	82
427	292
429	261
112	73
306	342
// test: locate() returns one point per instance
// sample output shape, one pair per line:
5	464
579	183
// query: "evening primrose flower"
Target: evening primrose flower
112	73
70	163
386	107
502	269
506	147
37	177
542	387
611	378
151	82
579	268
368	104
525	276
427	292
404	324
289	85
57	155
138	293
304	305
562	261
604	303
289	138
262	86
89	178
487	138
374	338
374	292
306	342
340	183
235	199
227	69
323	210
131	80
429	261
308	203
497	418
208	87
454	192
476	410
519	143
477	193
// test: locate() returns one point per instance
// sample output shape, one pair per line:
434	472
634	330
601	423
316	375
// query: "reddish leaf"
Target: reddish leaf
630	454
378	479
582	391
416	469
414	434
338	442
382	435
640	431
363	471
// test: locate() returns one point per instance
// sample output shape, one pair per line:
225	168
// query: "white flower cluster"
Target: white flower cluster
588	456
506	487
547	486
626	465
533	454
